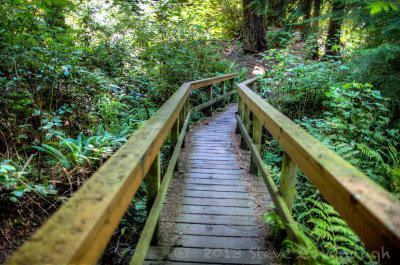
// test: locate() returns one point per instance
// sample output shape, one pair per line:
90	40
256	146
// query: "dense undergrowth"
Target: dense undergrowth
348	116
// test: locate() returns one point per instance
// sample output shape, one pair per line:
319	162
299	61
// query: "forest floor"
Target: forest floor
253	62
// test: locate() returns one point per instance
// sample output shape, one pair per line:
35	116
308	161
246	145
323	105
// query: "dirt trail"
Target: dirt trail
253	62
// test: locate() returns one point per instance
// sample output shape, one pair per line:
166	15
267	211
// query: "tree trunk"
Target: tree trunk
315	29
335	25
276	12
306	10
253	32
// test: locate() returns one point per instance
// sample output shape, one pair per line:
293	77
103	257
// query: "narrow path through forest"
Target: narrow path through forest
213	211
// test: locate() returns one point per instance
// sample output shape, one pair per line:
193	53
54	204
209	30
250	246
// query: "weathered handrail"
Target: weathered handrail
372	212
80	230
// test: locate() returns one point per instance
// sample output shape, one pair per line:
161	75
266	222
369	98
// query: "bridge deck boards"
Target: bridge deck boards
216	223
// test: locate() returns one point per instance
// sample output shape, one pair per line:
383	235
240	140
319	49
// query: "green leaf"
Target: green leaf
393	6
17	193
8	167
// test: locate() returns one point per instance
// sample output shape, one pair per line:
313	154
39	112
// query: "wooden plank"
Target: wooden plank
201	241
217	202
212	80
211	182
216	219
215	188
372	212
217	194
216	171
217	230
288	178
213	151
210	256
206	163
217	210
156	262
209	159
208	155
213	176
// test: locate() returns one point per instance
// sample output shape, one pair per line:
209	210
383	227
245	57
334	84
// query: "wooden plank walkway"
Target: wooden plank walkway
217	222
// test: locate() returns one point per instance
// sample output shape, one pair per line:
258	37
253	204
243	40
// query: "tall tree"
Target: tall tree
315	29
253	31
334	28
275	12
305	7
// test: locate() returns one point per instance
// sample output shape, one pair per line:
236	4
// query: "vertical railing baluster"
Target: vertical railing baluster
257	132
287	184
209	97
246	121
174	134
153	179
232	88
253	87
240	113
181	117
223	103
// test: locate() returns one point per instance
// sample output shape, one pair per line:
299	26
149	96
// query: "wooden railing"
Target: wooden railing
372	212
80	230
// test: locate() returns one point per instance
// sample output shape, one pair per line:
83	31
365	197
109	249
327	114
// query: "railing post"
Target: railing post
240	113
232	88
153	179
223	103
182	115
174	134
209	97
287	184
257	132
253	87
246	121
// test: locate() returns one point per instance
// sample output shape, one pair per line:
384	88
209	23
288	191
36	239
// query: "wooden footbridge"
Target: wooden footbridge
216	211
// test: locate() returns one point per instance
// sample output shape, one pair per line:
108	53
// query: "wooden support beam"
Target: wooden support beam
232	89
239	113
257	132
246	121
287	184
253	87
153	179
174	134
209	97
223	102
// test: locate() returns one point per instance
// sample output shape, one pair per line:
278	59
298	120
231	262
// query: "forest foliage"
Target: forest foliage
79	77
